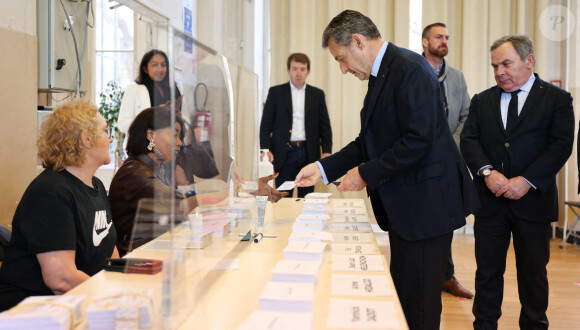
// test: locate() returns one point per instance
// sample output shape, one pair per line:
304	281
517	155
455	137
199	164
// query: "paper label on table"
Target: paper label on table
349	211
268	320
250	185
323	201
315	208
351	227
352	238
288	291
360	285
308	226
348	248
362	314
357	263
347	203
288	185
311	236
350	218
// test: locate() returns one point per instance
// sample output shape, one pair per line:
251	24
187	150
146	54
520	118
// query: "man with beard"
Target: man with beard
456	102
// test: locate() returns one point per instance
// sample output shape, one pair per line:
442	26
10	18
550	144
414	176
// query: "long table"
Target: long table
208	296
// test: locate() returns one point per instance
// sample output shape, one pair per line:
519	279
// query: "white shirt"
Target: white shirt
298	100
522	96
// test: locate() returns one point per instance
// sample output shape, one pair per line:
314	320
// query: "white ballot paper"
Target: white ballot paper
298	250
288	185
44	312
352	238
320	201
295	271
357	263
362	314
312	218
349	211
268	320
315	208
287	297
341	218
352	248
308	226
360	285
347	203
317	195
310	236
351	227
130	309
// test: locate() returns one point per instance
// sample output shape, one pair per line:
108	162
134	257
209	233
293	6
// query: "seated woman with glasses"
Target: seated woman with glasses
62	229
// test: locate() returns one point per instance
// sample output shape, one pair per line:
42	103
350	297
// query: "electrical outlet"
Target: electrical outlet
66	25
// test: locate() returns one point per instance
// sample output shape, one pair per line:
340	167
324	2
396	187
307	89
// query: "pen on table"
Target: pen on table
336	183
258	237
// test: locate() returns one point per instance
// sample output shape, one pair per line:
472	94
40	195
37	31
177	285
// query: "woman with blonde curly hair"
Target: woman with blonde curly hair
62	229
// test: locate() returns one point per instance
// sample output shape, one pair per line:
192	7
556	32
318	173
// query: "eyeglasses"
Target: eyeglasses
109	131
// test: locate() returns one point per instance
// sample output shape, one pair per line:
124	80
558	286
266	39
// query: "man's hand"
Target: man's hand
495	181
324	155
514	189
352	181
308	176
264	189
268	154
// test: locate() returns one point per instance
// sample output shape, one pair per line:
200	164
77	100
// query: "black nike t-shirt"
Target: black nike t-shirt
57	212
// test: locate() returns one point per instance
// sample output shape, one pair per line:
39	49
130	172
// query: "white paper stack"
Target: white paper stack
295	271
310	236
352	238
315	209
268	320
351	227
320	218
44	312
357	263
343	218
362	314
360	285
287	297
315	201
347	203
349	211
351	248
131	309
308	226
317	195
313	251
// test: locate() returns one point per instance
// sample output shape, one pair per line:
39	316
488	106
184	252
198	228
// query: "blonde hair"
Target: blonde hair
59	144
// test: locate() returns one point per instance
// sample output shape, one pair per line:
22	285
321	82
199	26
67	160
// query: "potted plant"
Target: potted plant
109	108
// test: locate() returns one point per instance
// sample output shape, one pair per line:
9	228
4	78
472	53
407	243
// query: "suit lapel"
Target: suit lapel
496	108
379	82
536	94
288	100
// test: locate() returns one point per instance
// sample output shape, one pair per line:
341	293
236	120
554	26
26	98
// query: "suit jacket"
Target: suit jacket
457	101
276	125
417	181
536	148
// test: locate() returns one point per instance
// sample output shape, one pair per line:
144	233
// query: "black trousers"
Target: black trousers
532	250
296	159
417	269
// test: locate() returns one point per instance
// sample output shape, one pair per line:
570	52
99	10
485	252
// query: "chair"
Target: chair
4	239
574	206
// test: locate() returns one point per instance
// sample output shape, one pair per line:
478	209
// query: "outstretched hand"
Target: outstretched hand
264	189
308	176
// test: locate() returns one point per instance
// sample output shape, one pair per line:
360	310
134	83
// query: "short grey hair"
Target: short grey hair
347	23
521	42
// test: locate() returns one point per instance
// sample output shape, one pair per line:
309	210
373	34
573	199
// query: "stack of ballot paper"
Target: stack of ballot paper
131	309
312	218
44	312
218	227
349	211
316	201
351	227
295	271
350	218
268	320
317	195
287	297
353	248
310	236
308	226
313	251
315	208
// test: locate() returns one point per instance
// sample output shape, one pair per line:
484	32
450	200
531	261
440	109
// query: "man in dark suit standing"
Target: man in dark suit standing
295	123
517	136
419	186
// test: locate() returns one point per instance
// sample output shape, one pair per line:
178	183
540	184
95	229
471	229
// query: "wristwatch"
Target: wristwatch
486	172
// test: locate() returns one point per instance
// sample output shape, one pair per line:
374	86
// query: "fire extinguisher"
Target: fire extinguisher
202	118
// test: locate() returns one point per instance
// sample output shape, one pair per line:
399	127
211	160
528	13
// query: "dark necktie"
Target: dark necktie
512	116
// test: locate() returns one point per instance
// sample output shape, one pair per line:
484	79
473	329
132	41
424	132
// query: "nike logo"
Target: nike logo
102	226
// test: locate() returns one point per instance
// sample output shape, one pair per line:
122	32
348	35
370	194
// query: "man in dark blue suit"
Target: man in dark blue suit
295	124
517	136
419	186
